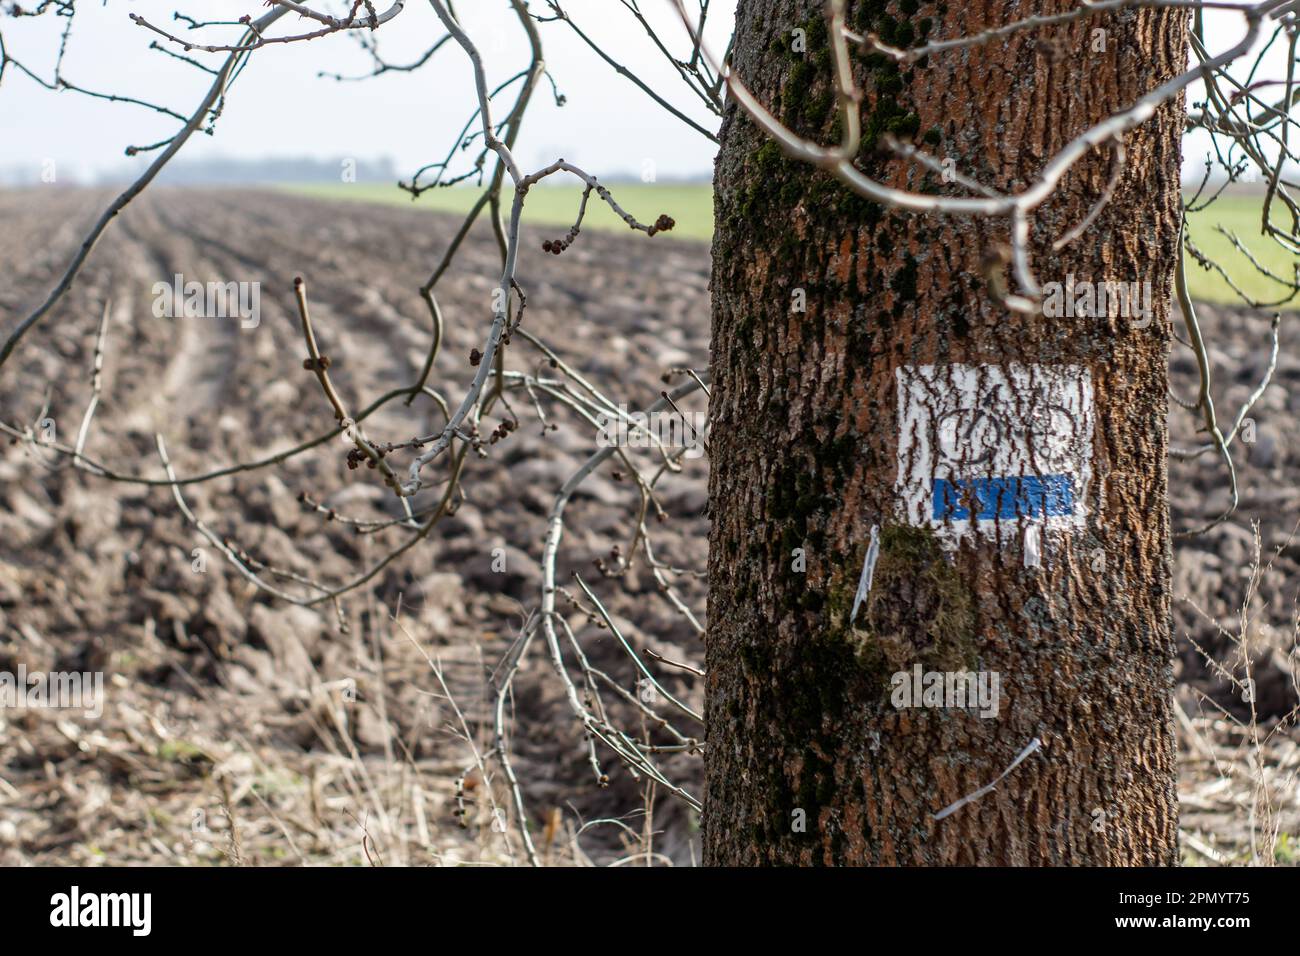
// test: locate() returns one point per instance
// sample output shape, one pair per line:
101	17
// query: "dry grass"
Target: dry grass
1239	770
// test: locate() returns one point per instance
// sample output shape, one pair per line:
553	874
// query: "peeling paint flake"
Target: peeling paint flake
868	572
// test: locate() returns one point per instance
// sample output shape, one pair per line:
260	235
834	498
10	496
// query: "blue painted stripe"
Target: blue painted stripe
1010	497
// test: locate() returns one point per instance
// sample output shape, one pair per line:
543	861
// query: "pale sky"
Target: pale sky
279	107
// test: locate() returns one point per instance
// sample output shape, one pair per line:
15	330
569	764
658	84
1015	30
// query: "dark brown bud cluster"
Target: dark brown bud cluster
356	456
502	430
614	565
316	365
662	224
556	246
475	356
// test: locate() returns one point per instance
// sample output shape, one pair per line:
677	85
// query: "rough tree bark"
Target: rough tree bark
805	455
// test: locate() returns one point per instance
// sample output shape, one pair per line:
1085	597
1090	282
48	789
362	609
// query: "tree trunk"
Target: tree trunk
1012	466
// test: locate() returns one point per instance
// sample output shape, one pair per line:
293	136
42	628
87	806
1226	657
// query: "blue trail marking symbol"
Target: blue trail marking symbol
1008	498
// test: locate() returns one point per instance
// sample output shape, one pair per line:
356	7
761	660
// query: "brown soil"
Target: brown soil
230	732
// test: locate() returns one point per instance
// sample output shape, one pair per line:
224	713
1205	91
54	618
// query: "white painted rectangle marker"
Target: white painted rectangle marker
990	449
